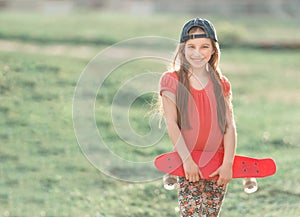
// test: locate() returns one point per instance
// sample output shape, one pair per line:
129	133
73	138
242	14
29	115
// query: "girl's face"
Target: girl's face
198	51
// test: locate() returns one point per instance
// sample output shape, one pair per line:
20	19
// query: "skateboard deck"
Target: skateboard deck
243	166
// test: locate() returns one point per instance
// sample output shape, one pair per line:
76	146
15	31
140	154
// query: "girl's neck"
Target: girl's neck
199	78
199	72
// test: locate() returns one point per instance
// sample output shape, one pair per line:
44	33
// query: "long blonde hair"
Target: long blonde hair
183	90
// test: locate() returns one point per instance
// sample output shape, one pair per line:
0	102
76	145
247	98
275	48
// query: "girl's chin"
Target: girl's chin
198	65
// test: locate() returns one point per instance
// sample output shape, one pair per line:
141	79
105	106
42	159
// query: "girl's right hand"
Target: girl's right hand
191	170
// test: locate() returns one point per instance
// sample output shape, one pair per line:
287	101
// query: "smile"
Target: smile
197	60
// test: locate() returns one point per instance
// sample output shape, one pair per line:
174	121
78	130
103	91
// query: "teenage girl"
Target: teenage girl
196	100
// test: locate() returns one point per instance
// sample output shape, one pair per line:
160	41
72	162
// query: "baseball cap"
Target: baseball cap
206	25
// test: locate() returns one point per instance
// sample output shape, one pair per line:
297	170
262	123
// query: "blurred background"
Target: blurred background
278	8
46	45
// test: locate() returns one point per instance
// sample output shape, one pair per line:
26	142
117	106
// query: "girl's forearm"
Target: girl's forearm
170	114
230	139
230	136
178	140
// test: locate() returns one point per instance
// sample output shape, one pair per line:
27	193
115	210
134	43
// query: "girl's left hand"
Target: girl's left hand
225	174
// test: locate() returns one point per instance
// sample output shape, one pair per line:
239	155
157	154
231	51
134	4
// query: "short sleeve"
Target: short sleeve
226	86
168	82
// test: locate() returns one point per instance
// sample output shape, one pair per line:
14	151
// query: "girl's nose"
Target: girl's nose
197	53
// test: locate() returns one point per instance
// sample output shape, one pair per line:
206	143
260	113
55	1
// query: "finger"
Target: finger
200	174
220	182
193	179
214	173
223	181
186	176
189	177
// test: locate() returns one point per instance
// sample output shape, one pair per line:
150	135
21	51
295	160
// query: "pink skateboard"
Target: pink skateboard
243	167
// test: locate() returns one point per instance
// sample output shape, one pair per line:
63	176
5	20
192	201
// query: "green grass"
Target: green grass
106	28
44	172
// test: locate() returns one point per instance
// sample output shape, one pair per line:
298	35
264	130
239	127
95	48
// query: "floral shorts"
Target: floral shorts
200	199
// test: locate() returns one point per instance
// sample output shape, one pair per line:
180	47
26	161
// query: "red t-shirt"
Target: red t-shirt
204	132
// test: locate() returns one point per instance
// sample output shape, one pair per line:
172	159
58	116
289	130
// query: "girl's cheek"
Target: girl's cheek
188	52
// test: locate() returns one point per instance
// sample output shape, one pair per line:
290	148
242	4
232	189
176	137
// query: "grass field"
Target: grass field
43	171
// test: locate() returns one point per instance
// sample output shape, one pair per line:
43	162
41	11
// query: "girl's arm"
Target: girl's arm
192	171
230	138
